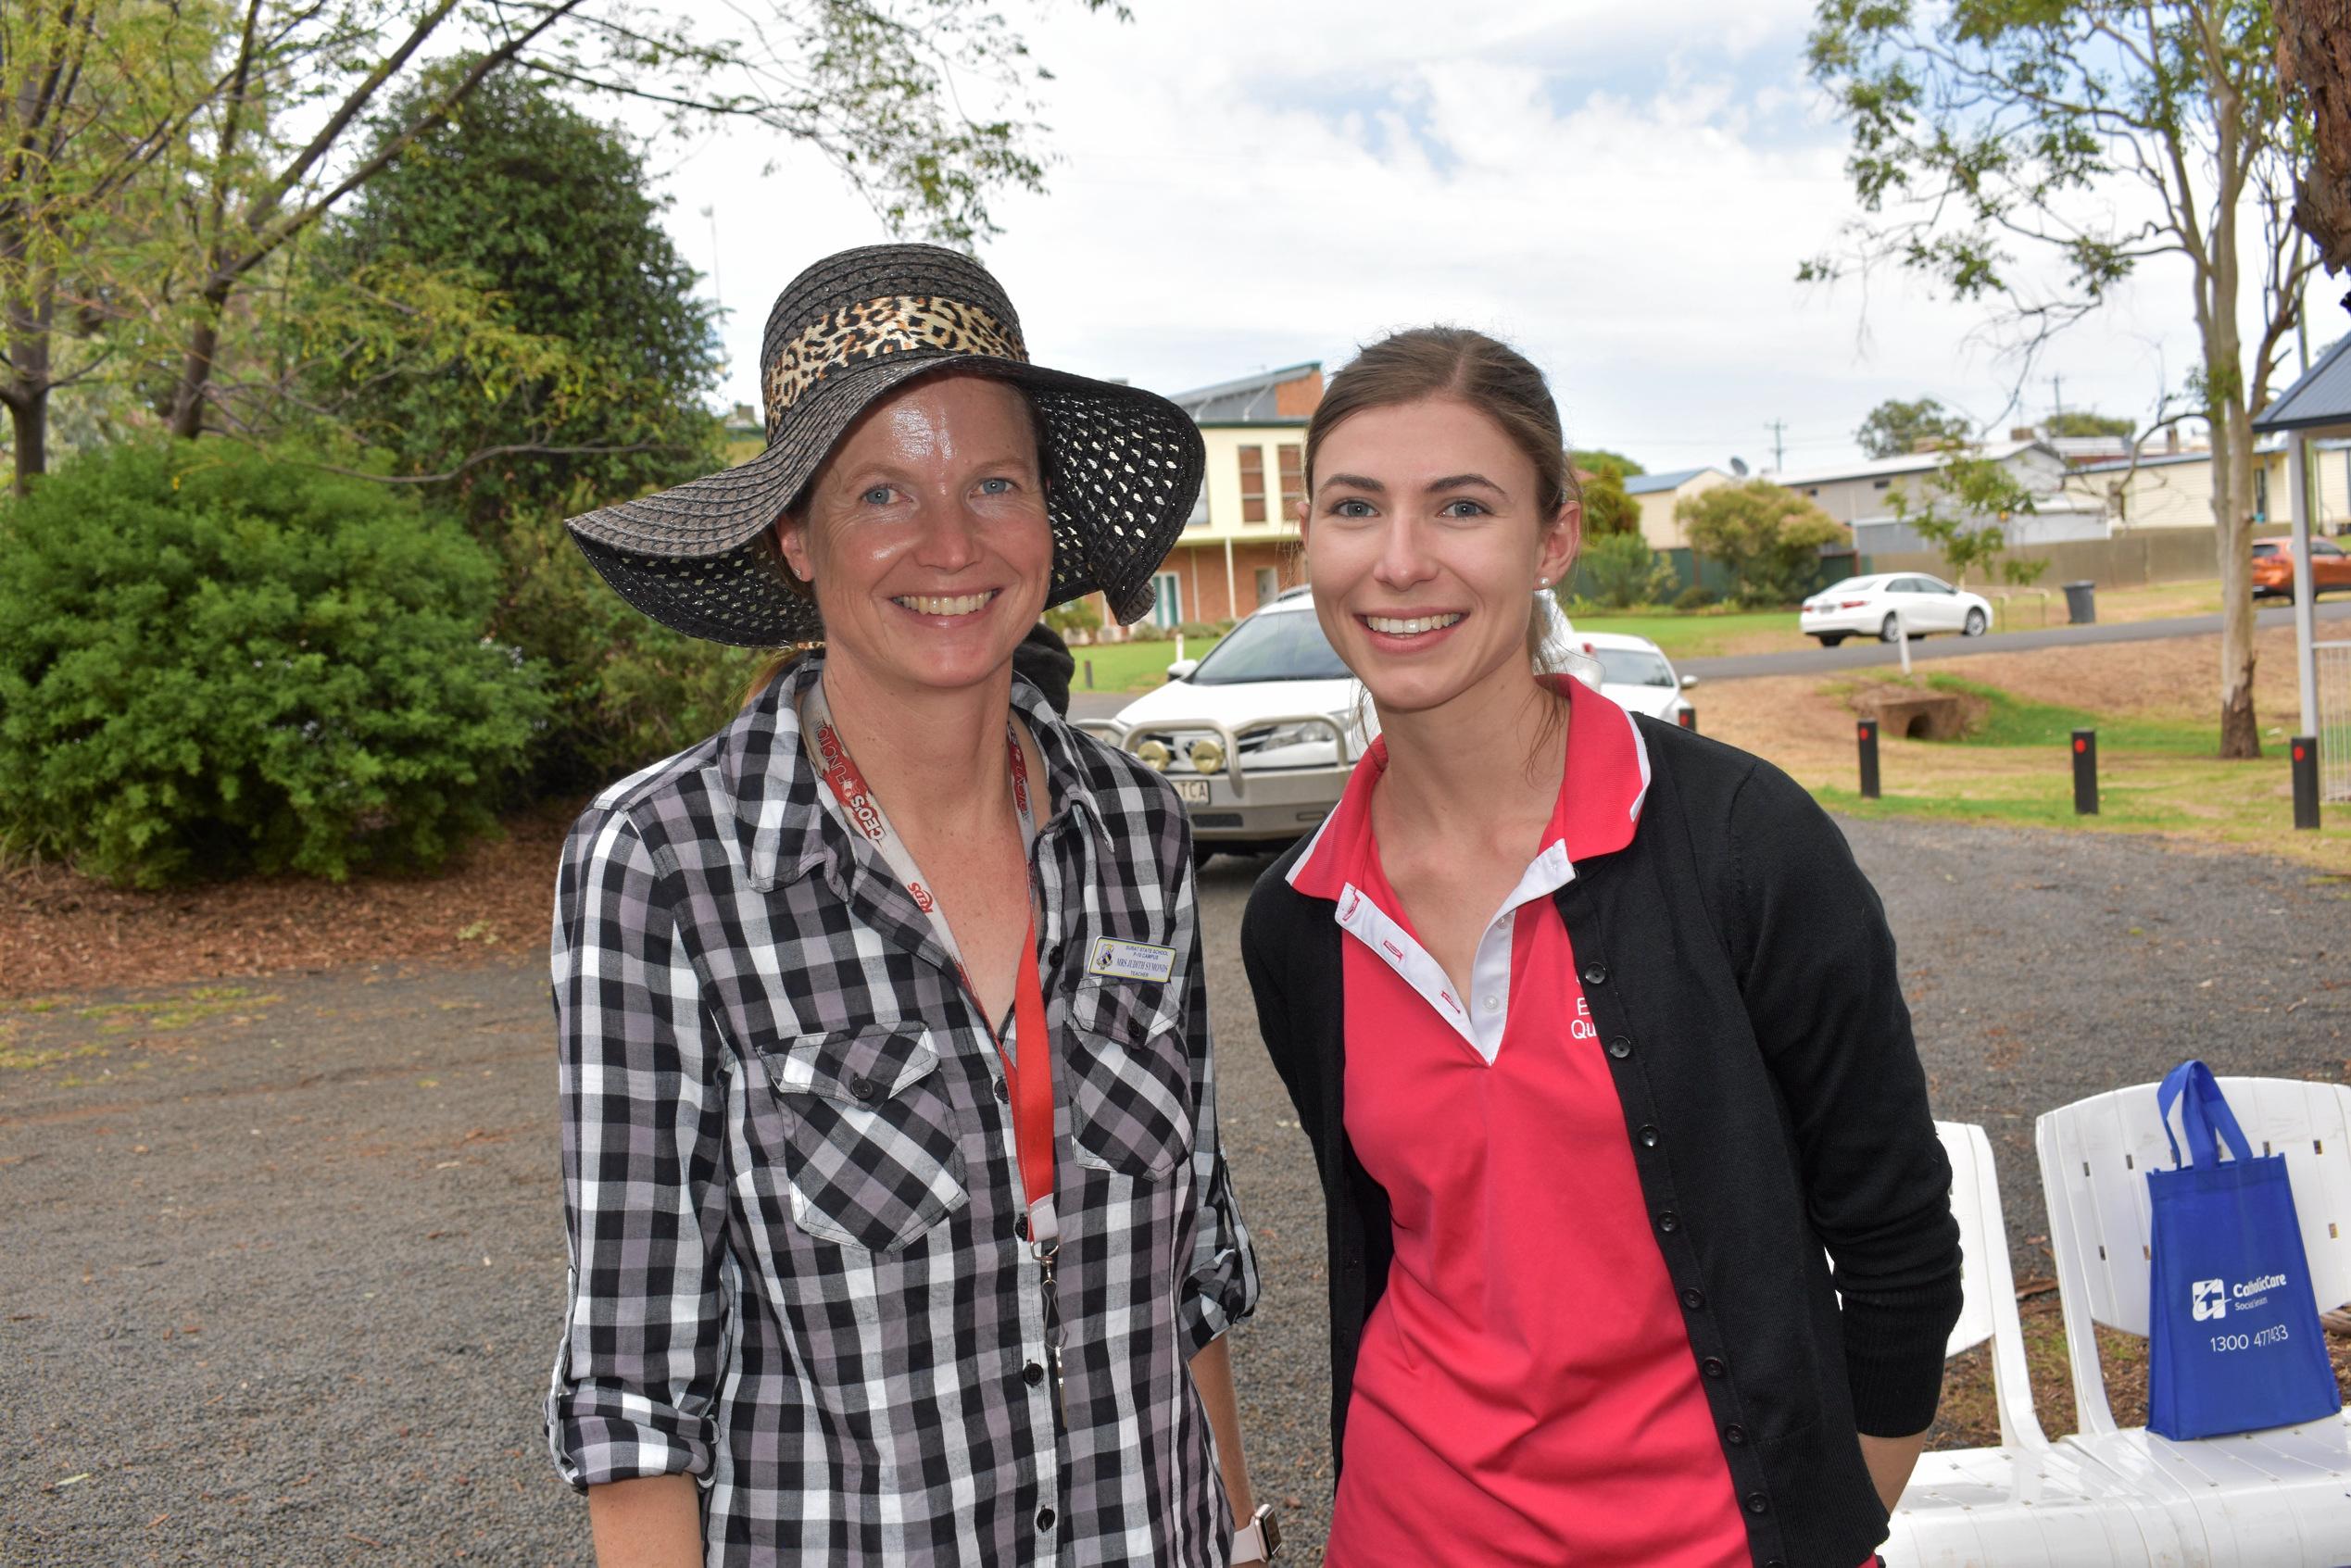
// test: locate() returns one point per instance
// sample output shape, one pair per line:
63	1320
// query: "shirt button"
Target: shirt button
1492	1002
1712	1366
1620	1048
1668	1221
1020	1227
1735	1435
1595	974
862	1088
1649	1137
1003	1093
1694	1299
1034	1374
1045	1516
1758	1503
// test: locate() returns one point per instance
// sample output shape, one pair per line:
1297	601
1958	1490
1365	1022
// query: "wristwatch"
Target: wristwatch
1259	1540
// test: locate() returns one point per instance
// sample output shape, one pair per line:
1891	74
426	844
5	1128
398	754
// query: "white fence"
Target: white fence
2334	720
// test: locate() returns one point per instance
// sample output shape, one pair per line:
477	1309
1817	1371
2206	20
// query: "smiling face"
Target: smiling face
926	535
1426	541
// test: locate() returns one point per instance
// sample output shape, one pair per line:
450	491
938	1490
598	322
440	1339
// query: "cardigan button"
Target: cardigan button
1620	1048
1712	1366
1735	1435
1595	974
1650	1136
1668	1221
1694	1299
1758	1503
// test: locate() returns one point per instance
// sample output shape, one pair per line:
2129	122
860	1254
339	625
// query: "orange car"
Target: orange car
2274	567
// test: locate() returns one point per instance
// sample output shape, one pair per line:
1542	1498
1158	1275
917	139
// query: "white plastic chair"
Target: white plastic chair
2026	1502
2280	1498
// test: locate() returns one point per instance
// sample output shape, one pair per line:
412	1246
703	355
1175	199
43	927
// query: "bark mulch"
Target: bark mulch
60	931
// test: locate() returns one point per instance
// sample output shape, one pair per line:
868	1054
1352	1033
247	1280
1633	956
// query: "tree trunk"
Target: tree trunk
29	413
2232	520
195	366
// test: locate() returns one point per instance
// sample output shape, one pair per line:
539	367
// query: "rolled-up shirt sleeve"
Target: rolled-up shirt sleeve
643	1095
1220	1287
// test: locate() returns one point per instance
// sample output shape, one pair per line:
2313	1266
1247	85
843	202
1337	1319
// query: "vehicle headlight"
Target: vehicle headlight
1154	755
1291	734
1208	755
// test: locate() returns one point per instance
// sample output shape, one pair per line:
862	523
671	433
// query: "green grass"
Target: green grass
1132	667
2013	720
2051	807
1696	633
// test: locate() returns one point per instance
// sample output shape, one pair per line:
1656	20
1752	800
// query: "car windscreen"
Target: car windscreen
1632	666
1286	647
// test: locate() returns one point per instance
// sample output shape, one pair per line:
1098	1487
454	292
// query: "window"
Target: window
1253	475
2260	494
1879	484
1293	461
1269	582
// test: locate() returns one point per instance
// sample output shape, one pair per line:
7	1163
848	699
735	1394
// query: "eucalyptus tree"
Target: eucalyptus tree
2033	155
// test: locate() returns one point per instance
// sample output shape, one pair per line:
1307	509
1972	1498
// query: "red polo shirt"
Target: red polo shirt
1525	1391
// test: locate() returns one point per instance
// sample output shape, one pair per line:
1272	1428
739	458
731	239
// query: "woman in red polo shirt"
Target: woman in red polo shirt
1595	1028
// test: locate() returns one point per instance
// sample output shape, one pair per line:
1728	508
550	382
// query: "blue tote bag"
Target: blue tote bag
2233	1342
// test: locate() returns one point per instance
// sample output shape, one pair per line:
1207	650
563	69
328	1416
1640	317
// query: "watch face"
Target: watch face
1272	1535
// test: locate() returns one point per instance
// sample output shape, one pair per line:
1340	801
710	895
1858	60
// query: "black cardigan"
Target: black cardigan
1740	971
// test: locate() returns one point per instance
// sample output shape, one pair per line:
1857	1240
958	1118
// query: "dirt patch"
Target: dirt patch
1798	721
63	932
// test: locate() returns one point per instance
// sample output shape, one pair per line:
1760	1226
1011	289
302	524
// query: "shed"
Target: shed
2316	406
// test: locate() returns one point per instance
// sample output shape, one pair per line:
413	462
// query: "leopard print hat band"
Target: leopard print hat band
1123	465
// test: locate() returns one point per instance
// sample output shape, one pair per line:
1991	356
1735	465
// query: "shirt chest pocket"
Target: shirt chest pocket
875	1156
1130	1081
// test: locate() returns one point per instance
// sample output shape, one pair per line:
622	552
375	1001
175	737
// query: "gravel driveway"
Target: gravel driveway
283	1263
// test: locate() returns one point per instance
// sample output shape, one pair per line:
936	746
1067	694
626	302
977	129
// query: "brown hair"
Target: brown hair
1472	368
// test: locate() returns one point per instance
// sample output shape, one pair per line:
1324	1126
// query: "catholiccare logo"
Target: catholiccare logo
2209	1299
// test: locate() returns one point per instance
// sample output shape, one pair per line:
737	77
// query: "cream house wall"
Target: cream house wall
2176	493
1660	527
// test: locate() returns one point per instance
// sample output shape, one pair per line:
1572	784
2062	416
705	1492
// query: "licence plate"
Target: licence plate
1193	792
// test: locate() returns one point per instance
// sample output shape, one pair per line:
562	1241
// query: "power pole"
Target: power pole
2056	394
1779	429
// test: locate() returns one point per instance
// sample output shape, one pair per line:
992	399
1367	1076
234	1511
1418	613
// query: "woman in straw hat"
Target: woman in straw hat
898	1219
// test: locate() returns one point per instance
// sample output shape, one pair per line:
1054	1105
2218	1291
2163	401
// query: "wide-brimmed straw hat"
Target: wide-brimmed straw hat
1121	466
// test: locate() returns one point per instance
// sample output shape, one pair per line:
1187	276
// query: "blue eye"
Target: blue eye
1352	506
877	496
1463	507
995	486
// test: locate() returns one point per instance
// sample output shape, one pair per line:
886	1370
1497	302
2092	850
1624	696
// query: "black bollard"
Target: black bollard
2306	782
1869	736
1089	674
2085	773
1689	720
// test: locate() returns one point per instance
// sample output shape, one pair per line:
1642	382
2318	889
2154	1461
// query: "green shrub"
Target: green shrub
625	689
1695	596
212	663
1077	616
1620	570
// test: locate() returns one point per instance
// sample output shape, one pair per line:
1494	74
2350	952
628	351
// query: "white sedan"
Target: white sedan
1635	674
1887	605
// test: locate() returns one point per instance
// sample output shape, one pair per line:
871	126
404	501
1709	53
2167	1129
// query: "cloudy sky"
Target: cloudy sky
1622	190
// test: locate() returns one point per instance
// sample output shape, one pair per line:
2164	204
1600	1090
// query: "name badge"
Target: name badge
1131	960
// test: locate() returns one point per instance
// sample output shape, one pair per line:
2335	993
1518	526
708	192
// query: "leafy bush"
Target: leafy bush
1620	571
212	663
625	689
1696	596
1078	616
1770	538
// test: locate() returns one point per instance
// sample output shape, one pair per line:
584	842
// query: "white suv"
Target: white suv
1258	734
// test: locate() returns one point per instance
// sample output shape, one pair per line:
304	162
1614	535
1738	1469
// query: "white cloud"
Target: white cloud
1625	192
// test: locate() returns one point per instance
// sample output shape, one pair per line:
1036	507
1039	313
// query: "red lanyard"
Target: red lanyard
1032	1091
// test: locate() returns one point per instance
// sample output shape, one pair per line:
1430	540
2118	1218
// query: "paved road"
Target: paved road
1863	654
280	1271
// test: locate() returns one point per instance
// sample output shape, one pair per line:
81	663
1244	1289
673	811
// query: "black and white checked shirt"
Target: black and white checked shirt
791	1184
